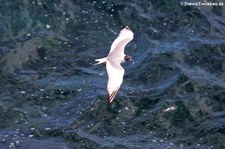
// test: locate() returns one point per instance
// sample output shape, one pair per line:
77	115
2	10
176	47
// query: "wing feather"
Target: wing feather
112	96
118	45
115	78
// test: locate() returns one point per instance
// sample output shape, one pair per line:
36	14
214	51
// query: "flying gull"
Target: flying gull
113	62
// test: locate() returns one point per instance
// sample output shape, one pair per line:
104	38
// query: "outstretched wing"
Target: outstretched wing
118	45
115	78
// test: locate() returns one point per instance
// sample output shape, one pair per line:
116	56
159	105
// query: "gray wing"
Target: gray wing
115	78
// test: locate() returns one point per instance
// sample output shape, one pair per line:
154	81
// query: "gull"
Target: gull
113	62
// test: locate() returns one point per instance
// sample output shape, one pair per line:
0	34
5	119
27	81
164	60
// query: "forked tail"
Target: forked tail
100	61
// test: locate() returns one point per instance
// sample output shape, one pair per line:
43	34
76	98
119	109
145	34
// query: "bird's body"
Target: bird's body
113	62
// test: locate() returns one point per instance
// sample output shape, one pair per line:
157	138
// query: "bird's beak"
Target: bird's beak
132	61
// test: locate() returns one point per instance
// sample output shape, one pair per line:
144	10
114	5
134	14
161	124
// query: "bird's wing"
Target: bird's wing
115	75
118	45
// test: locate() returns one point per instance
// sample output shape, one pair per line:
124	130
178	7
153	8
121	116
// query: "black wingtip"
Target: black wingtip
126	26
111	97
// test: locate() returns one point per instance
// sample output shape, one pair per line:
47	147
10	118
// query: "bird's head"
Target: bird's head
128	58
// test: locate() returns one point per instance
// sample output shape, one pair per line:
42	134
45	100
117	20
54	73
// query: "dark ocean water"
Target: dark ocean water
53	97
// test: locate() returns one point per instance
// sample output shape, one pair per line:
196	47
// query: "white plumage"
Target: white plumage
113	62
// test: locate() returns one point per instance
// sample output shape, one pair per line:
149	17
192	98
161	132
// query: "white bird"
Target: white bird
113	62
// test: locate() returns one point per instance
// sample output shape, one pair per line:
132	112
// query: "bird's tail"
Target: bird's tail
100	61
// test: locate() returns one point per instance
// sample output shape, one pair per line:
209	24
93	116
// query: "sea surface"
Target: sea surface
52	97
